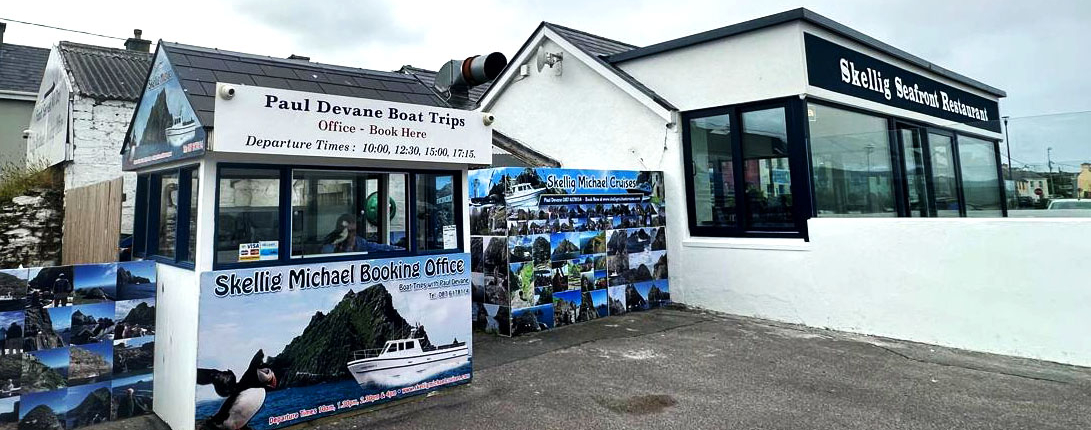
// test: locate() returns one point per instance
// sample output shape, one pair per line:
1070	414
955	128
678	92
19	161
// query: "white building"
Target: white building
83	110
826	178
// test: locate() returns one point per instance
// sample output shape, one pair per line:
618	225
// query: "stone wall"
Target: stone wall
30	229
98	131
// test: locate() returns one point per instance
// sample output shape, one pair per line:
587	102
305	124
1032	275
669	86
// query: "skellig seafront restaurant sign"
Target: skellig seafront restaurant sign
315	239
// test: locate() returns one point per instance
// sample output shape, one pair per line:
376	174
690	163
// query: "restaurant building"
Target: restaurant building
829	179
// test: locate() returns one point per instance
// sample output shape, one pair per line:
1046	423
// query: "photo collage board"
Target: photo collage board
552	247
78	344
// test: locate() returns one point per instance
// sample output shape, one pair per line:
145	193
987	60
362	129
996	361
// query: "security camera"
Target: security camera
26	134
227	92
488	118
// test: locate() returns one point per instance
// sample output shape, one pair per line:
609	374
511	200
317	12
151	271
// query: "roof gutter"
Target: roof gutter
18	95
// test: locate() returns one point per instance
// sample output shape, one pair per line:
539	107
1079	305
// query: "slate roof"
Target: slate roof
592	44
200	68
22	67
106	73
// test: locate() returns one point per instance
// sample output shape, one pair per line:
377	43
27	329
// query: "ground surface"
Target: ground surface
670	368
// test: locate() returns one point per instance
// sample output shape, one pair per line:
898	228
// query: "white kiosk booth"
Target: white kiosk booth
309	228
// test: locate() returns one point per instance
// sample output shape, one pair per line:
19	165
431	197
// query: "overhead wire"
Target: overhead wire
61	28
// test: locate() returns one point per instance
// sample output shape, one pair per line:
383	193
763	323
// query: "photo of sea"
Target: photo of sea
95	283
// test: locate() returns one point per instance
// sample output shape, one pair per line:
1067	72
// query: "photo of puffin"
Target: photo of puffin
243	398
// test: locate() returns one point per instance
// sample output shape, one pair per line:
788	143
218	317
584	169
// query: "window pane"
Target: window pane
914	172
191	245
980	183
248	213
168	214
850	153
943	175
336	212
436	224
765	169
713	180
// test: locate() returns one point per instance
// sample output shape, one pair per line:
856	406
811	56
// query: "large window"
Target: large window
337	212
277	214
980	177
851	163
247	218
739	171
165	224
846	162
713	174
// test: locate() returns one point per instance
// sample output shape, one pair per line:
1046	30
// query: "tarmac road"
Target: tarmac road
673	368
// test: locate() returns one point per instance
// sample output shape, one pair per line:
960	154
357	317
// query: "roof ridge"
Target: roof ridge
103	50
590	34
298	63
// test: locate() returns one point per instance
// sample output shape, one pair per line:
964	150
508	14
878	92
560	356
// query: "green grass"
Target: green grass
16	180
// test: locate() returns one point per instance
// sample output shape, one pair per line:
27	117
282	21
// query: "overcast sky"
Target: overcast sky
1036	51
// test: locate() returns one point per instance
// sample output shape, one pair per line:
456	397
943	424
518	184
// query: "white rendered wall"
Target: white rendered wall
98	131
953	282
759	65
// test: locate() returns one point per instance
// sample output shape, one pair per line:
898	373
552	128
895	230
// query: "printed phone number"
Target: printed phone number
457	292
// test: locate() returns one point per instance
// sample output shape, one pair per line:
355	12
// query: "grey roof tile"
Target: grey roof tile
21	67
195	88
208	66
106	73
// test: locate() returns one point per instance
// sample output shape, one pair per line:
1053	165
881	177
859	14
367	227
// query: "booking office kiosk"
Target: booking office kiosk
310	244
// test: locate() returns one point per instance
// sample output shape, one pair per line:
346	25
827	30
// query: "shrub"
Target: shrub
16	180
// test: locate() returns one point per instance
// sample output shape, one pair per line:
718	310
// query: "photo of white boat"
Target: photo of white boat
181	131
522	195
404	361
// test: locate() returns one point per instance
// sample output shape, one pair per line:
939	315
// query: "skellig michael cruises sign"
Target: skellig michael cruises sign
836	68
272	121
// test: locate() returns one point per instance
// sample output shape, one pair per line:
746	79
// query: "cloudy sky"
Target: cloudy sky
1036	51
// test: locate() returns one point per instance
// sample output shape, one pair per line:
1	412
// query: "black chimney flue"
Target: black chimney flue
135	43
3	27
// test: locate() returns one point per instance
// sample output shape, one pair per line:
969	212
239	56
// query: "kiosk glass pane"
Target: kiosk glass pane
850	153
168	214
943	175
191	241
980	181
765	169
248	212
336	213
437	227
714	177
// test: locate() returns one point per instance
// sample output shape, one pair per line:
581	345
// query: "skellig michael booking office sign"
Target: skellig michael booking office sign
553	247
278	346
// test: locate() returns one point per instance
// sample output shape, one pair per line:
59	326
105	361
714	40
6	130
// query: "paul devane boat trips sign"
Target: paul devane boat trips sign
282	345
273	121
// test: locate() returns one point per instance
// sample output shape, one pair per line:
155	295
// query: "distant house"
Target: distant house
20	74
1027	184
85	102
1083	180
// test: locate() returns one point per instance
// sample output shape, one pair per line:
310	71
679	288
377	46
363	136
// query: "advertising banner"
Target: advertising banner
165	128
553	247
78	344
48	139
259	120
282	345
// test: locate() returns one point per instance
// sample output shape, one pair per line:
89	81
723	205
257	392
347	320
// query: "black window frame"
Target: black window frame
146	216
798	165
801	164
284	214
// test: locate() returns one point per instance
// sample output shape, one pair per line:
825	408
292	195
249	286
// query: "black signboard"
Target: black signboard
836	68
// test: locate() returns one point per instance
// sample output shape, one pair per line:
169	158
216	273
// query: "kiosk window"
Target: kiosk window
248	214
850	155
713	173
337	212
436	218
168	215
766	173
980	177
191	242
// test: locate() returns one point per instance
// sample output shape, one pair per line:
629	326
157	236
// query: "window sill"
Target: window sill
771	244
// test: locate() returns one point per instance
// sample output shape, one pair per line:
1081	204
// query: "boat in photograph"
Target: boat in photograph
404	361
523	195
181	131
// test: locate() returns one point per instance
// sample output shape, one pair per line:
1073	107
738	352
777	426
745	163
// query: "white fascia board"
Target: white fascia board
18	95
573	52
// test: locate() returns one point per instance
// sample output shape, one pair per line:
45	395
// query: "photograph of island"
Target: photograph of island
13	289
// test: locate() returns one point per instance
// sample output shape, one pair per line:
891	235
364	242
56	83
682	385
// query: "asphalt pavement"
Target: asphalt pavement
677	368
